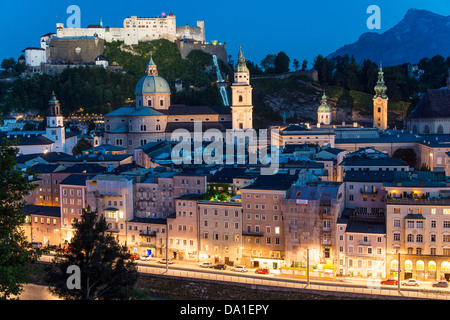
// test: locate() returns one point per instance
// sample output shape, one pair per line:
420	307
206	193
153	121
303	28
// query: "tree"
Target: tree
282	63
304	65
268	63
16	253
296	64
408	155
106	271
8	64
82	144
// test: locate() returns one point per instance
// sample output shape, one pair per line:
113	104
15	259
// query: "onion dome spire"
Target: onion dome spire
380	88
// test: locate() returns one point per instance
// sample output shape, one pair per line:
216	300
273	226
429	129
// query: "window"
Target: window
433	223
396	210
419	238
432	238
446	224
410	224
446	211
396	222
410	238
396	236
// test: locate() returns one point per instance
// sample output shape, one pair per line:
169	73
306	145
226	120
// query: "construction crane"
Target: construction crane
220	83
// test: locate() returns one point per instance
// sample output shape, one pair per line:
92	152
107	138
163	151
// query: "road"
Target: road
341	281
276	279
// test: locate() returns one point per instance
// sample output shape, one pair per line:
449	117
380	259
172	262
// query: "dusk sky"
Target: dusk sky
302	29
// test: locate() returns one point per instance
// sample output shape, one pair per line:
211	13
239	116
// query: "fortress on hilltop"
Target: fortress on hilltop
138	29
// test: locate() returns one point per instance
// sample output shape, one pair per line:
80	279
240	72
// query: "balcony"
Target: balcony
369	191
417	201
252	234
325	213
147	233
365	243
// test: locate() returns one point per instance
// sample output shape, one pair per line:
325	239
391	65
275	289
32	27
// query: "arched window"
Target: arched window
158	127
414	130
426	129
419	238
408	265
410	238
420	265
431	266
440	129
240	99
445	266
379	109
394	264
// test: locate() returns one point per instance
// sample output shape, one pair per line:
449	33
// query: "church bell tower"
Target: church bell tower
55	127
380	103
241	91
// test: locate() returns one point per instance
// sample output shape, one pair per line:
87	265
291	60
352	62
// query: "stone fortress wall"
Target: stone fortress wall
138	29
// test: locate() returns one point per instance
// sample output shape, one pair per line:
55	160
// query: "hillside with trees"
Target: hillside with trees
278	92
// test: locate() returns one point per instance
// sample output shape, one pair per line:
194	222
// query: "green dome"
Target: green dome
152	84
324	107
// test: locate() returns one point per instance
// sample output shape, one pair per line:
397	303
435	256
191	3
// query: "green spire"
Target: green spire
151	67
324	107
53	99
151	62
380	88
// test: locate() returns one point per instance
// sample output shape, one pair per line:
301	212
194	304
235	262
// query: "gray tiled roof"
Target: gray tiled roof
434	104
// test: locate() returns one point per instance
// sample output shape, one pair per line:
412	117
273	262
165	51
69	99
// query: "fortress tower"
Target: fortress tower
380	103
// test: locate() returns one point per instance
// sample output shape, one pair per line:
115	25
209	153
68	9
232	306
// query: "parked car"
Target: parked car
410	282
134	256
441	284
389	281
262	271
239	269
145	258
168	261
219	266
205	265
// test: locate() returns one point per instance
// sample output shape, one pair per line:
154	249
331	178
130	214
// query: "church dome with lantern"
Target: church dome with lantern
151	83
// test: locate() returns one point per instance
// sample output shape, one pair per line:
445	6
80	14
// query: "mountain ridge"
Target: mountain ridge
419	34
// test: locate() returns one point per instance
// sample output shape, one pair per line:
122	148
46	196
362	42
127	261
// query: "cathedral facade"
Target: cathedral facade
154	118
